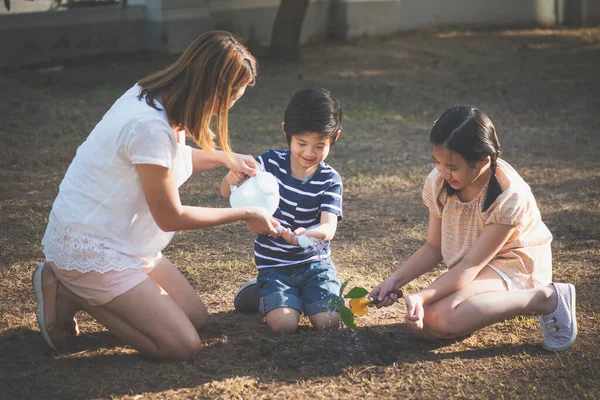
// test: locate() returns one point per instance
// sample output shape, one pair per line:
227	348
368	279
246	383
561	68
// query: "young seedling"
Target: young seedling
359	301
359	306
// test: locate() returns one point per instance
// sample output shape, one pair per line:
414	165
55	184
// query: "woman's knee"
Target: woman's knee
199	319
185	347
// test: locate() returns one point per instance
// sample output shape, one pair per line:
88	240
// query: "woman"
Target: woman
118	205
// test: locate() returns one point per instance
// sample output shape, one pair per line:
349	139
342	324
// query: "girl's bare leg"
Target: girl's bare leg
482	303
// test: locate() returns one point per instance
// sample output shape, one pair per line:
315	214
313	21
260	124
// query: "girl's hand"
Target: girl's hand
384	292
415	312
243	164
259	221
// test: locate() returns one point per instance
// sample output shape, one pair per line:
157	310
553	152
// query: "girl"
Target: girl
118	205
485	225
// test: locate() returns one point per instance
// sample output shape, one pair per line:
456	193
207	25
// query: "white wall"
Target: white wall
375	17
31	34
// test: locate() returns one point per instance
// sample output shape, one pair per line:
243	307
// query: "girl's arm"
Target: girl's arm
485	248
240	163
420	262
170	215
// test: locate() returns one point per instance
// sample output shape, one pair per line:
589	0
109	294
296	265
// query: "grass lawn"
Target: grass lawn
540	87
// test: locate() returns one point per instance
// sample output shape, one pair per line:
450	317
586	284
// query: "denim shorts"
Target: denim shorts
304	287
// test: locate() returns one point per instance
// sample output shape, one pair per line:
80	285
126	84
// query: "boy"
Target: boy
292	279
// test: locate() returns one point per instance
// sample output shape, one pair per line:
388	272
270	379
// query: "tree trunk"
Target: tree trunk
285	35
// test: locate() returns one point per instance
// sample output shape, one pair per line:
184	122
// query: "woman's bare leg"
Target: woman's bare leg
167	276
148	318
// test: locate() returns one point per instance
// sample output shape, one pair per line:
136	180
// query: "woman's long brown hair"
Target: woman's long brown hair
201	84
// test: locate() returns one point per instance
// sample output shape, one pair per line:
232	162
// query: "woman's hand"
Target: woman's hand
415	312
259	221
235	178
243	164
384	292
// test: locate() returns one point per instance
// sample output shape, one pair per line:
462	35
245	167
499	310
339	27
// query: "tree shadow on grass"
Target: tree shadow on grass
236	345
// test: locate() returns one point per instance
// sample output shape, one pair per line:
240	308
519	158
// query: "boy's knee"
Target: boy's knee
283	326
283	320
325	320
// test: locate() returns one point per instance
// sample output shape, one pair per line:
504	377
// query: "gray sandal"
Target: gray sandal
39	297
247	298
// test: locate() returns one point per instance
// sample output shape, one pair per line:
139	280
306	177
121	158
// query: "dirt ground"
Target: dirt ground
540	87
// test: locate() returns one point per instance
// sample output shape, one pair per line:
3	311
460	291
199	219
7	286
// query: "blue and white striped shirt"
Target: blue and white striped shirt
300	205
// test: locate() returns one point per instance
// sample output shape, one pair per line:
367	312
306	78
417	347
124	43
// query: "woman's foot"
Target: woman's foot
55	318
560	326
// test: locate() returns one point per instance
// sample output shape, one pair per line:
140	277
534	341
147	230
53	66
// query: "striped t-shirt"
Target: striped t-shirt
300	205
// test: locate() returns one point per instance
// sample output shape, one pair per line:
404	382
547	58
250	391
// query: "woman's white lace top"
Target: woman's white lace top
100	220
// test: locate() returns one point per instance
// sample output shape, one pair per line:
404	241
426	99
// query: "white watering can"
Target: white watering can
262	190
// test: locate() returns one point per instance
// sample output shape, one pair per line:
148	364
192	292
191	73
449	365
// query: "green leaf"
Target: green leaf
347	317
343	287
356	293
7	4
334	301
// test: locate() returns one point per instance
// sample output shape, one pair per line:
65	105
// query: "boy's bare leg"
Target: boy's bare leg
283	320
325	320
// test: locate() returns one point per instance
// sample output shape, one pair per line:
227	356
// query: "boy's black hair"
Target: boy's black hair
469	132
313	110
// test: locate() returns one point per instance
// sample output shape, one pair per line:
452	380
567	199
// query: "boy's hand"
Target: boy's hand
289	236
299	231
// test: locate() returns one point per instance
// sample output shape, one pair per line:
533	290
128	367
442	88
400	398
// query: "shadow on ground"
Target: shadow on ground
250	348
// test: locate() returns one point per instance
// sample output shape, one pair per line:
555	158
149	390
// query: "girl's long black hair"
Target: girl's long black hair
469	132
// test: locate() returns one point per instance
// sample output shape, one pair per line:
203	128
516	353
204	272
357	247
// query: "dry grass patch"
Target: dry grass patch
541	88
